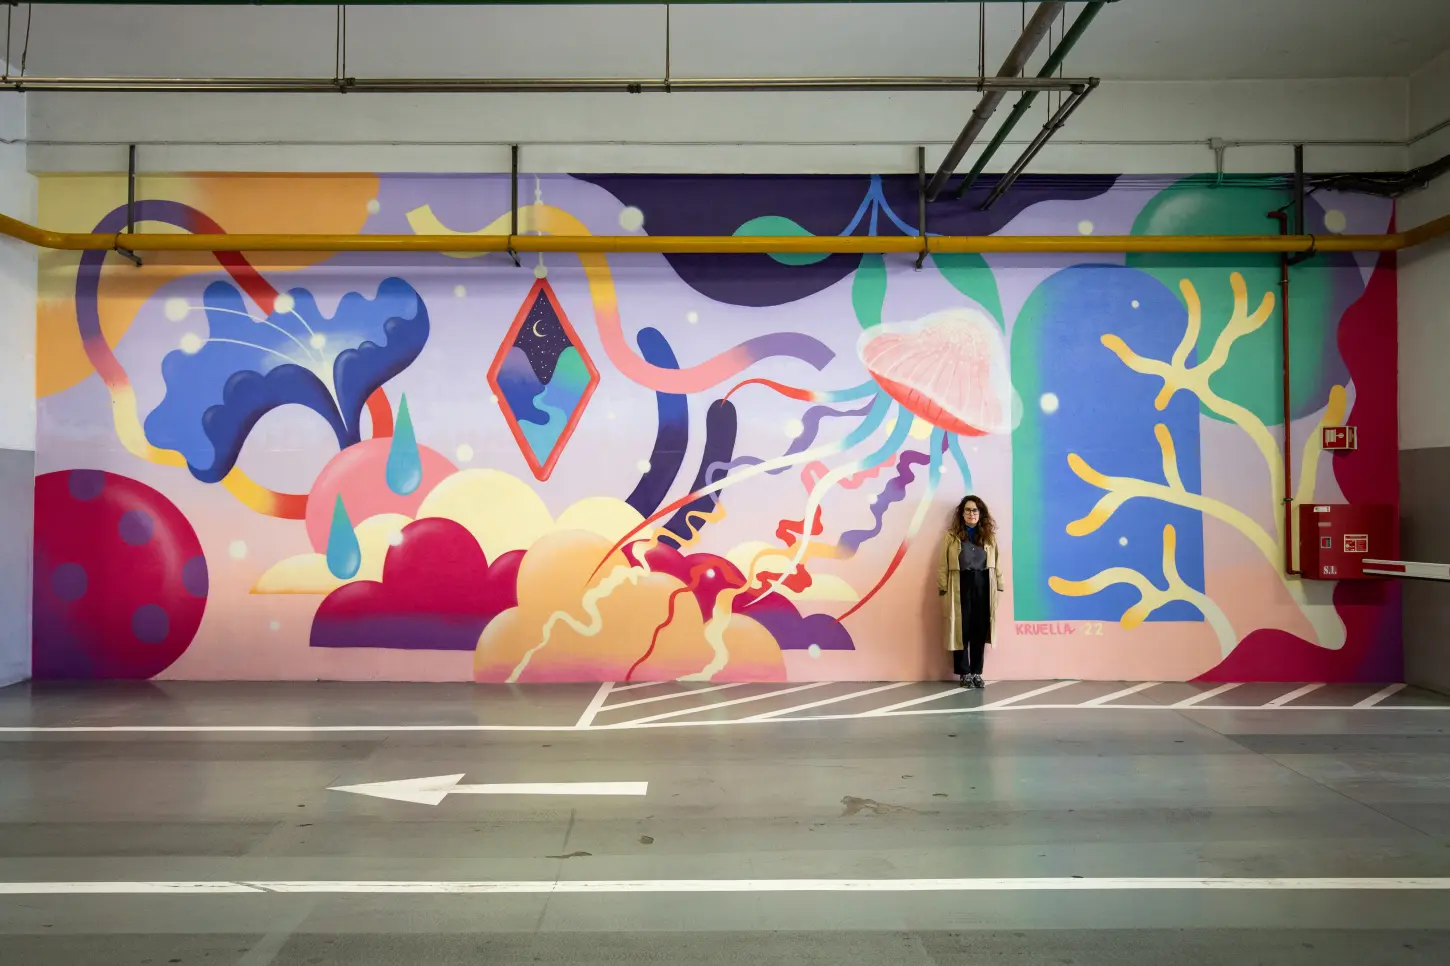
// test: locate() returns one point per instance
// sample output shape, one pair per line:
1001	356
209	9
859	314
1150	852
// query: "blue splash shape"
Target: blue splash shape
520	386
344	555
1106	413
721	424
557	400
405	468
249	365
672	434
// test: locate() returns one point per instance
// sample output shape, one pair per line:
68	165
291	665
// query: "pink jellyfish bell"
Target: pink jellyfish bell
950	368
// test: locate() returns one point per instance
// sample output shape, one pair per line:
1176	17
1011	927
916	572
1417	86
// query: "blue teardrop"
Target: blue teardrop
405	467
344	556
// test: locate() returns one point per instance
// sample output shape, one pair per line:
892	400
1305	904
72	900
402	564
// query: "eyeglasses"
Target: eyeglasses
972	510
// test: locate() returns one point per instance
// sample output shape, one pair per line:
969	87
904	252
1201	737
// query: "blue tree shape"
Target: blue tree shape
219	385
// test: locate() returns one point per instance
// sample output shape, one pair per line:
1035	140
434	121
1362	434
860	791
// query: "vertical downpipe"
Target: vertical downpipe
1288	495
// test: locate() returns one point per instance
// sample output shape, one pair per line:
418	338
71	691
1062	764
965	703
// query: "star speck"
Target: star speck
542	338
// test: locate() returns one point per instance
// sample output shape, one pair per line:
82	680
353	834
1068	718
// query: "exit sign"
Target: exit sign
1339	437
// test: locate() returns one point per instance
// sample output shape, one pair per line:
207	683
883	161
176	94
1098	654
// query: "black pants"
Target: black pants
976	621
969	659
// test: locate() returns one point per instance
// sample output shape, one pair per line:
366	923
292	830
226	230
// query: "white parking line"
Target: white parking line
618	688
719	704
935	696
1294	695
1203	696
667	697
595	703
699	886
1107	698
1373	703
1380	695
764	716
1026	694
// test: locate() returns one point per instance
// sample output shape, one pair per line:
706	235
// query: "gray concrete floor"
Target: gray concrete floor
957	786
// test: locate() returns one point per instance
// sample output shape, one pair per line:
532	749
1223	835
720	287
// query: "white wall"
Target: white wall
17	397
1429	99
1424	277
1126	126
1424	327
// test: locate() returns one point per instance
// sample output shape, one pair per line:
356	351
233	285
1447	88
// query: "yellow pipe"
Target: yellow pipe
720	244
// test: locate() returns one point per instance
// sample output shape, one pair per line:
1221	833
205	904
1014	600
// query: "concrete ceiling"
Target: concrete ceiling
1132	40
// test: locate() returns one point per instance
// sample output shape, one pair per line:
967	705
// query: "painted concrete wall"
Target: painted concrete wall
632	468
1424	278
17	397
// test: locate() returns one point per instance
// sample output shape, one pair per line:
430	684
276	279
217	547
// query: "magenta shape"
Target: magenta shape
1370	609
778	615
117	574
438	592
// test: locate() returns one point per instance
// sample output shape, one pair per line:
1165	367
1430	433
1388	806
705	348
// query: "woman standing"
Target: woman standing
968	580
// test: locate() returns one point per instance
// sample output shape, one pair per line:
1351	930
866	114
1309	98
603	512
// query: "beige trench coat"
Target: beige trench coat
949	587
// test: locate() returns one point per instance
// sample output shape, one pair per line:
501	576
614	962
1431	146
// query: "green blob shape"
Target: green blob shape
1253	375
1027	475
969	274
778	226
404	471
868	290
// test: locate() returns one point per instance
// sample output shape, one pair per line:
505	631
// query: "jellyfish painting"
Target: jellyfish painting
949	369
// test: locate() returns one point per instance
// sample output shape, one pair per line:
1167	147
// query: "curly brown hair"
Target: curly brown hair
986	534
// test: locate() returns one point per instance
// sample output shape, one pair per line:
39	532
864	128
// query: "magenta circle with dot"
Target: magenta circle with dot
120	579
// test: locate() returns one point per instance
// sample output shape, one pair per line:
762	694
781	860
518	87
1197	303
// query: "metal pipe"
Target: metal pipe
1017	57
921	205
489	3
523	85
1024	103
721	244
1298	189
1298	206
514	203
1053	125
130	205
981	45
1288	471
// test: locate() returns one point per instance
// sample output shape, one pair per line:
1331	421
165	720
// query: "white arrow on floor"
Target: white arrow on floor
432	791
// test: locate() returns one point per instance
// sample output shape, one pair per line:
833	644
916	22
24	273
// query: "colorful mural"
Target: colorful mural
699	467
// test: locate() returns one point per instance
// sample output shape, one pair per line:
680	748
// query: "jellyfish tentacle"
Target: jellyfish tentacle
933	479
869	388
954	445
894	442
879	408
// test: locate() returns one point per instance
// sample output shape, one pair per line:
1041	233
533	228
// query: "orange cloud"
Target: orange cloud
569	626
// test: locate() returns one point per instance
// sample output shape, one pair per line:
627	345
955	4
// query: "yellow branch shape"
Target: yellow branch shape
1150	597
1178	375
1121	489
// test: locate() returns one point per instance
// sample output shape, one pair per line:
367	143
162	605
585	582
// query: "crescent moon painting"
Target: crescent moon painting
543	378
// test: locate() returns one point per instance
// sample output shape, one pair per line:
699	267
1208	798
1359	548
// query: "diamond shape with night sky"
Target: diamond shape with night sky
543	379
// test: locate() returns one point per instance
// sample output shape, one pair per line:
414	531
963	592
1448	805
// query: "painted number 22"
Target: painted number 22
1093	629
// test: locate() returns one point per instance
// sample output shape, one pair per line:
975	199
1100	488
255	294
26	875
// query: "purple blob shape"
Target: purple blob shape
136	527
86	484
68	581
150	624
194	576
792	632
